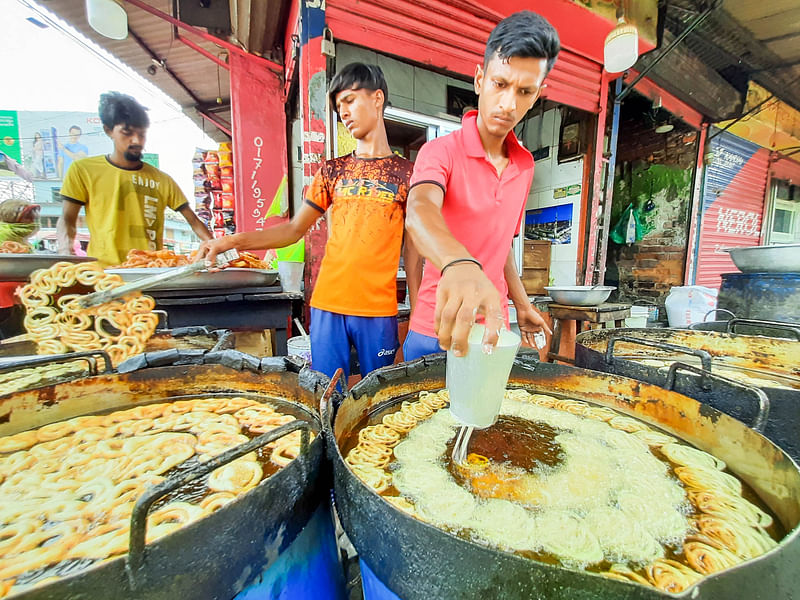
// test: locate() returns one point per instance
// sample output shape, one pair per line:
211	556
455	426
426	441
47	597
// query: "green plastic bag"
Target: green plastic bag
628	229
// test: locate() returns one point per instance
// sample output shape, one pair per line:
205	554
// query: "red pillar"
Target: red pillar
313	98
259	144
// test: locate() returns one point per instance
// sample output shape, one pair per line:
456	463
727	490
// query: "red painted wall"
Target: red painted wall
581	31
451	35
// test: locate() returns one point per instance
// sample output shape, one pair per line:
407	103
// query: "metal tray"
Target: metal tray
227	278
18	267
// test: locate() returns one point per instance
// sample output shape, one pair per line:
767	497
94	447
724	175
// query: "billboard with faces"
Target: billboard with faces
52	140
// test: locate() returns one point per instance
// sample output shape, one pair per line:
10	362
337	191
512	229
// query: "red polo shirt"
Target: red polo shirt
483	211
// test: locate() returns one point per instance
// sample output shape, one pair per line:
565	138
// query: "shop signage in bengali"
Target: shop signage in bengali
738	222
727	159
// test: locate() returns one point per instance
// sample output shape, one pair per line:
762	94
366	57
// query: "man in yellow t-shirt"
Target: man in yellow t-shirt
124	197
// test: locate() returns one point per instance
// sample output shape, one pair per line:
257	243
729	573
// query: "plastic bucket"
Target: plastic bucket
291	274
299	346
638	318
477	381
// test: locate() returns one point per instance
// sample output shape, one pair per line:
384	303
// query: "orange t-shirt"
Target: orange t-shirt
367	202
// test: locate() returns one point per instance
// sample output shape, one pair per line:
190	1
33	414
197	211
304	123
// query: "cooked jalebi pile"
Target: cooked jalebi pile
68	488
247	260
10	247
23	379
140	259
167	258
662	513
57	324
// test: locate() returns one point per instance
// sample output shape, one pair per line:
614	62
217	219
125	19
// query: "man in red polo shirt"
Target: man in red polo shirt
468	195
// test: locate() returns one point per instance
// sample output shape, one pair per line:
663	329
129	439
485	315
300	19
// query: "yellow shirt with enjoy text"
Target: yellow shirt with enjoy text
124	207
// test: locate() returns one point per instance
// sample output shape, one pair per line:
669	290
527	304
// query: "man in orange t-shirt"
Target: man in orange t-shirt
354	302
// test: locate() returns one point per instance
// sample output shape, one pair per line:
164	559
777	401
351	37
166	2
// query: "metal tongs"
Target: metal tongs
98	298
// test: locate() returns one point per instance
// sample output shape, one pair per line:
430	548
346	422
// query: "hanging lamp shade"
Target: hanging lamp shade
621	49
108	18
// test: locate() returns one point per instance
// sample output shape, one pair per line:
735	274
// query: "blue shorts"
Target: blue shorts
417	345
332	335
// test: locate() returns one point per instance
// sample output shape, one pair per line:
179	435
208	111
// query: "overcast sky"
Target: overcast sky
43	69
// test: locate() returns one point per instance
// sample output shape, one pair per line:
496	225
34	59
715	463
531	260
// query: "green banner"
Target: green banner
9	135
151	158
296	251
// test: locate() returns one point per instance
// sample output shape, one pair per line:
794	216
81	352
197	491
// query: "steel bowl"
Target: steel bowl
579	295
767	259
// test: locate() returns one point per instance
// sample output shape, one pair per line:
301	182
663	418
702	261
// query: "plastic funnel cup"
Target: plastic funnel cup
291	275
477	381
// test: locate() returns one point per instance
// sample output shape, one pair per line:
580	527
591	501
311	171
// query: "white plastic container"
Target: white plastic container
689	304
638	318
477	381
299	346
291	274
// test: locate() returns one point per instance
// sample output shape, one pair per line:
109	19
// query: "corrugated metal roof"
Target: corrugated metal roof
744	39
193	81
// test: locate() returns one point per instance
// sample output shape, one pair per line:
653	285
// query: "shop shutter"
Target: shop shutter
734	192
450	35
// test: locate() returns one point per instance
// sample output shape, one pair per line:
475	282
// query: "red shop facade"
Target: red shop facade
449	36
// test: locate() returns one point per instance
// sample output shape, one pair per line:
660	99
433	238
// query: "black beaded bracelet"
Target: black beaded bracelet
462	260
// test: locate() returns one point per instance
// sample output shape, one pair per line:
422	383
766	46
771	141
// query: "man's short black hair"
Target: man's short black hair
358	76
117	108
75	127
524	34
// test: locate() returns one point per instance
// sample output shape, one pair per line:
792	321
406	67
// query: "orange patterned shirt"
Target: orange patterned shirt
367	203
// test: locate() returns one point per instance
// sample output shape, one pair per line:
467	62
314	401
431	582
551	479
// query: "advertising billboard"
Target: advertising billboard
50	141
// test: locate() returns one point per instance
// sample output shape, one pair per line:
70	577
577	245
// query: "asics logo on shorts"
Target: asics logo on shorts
385	352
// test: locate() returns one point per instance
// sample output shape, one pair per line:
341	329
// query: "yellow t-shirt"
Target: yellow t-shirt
124	207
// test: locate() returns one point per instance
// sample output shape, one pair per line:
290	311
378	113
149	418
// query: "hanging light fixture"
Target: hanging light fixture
108	18
621	50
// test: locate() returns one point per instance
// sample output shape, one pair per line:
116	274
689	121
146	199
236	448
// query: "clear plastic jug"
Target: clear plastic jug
477	381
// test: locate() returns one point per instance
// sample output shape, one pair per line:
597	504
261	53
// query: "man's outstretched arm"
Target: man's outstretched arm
464	290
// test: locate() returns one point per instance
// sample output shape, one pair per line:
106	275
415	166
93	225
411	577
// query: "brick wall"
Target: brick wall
654	175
